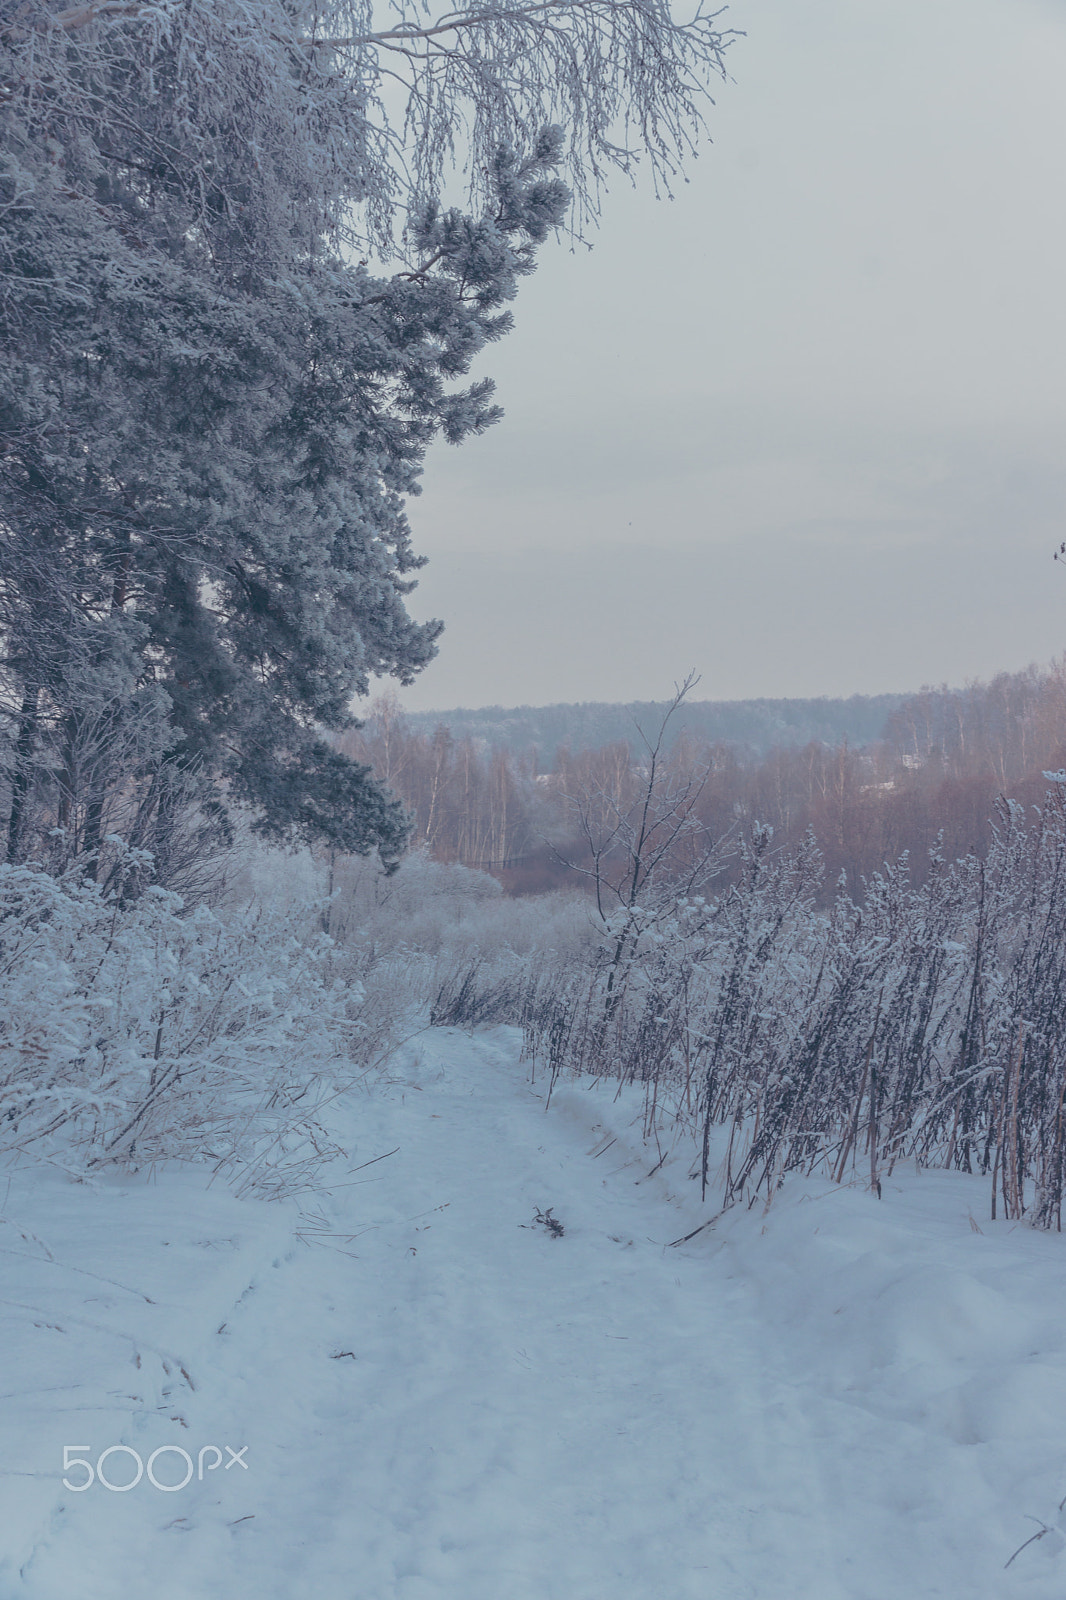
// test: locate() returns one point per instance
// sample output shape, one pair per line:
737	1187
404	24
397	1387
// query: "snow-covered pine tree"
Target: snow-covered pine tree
212	410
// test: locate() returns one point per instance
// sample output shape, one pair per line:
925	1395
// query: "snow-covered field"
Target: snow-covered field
411	1389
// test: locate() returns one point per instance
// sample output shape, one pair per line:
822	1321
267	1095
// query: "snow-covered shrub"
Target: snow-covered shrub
444	943
444	909
133	1034
420	905
289	882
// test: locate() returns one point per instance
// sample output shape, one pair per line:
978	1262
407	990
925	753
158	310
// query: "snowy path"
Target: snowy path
445	1402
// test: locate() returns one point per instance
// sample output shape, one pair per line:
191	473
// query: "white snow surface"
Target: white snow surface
442	1400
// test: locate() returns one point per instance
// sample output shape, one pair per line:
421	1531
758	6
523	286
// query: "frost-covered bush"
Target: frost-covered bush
422	906
450	940
285	882
133	1034
429	943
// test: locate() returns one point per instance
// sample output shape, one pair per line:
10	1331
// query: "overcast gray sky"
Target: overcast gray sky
801	428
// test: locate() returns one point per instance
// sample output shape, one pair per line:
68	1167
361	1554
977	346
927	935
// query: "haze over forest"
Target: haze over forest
872	778
757	725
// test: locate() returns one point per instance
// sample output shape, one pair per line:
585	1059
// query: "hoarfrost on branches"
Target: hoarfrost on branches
332	101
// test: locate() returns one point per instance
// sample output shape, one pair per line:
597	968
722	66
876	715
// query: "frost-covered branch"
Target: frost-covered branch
384	113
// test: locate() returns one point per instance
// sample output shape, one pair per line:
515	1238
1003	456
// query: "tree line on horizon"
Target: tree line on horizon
758	725
930	780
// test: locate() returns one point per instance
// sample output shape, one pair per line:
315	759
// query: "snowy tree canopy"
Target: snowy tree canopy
212	410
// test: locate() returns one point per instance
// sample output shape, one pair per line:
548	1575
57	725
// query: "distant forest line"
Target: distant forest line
758	726
873	777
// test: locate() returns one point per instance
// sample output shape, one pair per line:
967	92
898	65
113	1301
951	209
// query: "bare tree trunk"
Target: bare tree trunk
94	813
94	816
25	744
